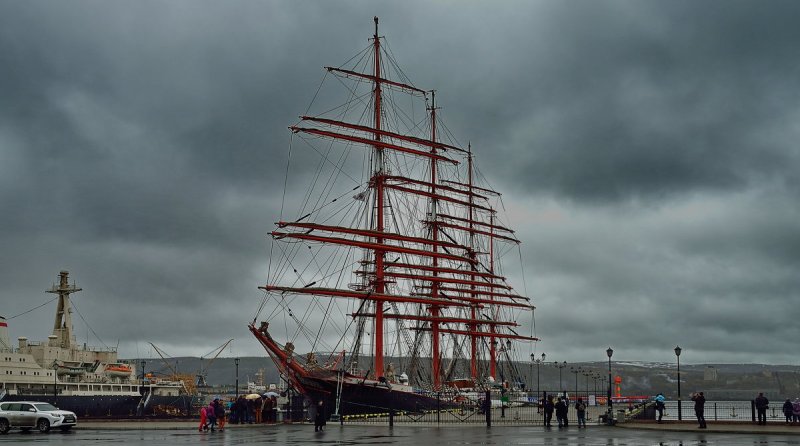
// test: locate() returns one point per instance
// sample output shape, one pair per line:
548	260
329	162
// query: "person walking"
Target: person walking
566	410
762	404
549	407
699	408
203	420
580	409
219	412
211	414
319	417
660	406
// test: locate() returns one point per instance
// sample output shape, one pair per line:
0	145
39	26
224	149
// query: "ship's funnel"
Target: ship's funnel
5	343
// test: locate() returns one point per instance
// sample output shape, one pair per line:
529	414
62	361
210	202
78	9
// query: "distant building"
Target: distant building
710	373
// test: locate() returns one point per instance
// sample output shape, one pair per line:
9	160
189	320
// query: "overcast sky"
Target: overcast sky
647	152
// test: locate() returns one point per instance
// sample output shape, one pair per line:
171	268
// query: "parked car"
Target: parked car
27	415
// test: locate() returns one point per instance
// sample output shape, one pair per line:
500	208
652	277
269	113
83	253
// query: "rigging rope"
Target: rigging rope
34	308
89	326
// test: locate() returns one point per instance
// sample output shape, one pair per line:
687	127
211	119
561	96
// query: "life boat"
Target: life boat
118	370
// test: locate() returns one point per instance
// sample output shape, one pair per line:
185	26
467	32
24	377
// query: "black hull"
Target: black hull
116	406
370	398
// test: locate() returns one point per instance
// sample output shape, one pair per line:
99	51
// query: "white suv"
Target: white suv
30	414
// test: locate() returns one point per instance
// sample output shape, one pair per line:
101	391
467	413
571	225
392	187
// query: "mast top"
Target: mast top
376	26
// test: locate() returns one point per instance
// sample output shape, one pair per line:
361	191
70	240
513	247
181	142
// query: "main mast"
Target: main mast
62	327
378	182
434	309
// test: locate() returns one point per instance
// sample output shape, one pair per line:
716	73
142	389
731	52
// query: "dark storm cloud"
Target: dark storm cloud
657	99
143	147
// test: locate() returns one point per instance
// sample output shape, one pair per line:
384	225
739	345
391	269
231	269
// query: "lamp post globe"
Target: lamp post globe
678	356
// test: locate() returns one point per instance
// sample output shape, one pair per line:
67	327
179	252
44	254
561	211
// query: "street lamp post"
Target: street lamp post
538	362
575	371
678	355
236	361
55	388
610	417
560	366
530	374
586	374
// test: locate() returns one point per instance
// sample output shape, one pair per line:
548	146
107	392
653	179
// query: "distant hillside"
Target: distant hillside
718	381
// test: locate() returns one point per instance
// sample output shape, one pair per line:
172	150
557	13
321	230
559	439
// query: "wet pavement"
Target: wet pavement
399	435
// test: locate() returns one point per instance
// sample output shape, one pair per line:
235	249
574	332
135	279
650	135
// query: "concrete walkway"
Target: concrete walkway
715	427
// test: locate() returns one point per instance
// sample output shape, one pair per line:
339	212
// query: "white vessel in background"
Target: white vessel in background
89	381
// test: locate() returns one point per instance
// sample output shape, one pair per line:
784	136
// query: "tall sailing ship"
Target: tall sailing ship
395	260
90	381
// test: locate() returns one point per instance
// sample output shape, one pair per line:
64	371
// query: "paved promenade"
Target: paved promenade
179	433
719	427
715	427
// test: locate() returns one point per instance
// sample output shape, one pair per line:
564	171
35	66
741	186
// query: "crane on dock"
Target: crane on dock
203	372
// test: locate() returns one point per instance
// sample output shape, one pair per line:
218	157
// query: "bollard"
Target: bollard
753	410
391	417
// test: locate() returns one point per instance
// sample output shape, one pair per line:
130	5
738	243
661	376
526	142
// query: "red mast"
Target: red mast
473	340
435	366
377	180
492	340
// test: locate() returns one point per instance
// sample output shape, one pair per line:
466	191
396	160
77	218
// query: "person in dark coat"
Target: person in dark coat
699	408
249	411
762	404
561	412
787	410
548	410
219	413
319	417
241	410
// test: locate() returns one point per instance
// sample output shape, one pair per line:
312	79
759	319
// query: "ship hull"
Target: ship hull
116	406
368	397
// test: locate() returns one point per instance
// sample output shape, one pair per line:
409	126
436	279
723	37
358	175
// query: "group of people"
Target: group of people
699	408
791	409
212	416
560	406
238	411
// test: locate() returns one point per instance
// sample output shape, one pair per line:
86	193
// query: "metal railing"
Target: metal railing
510	408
